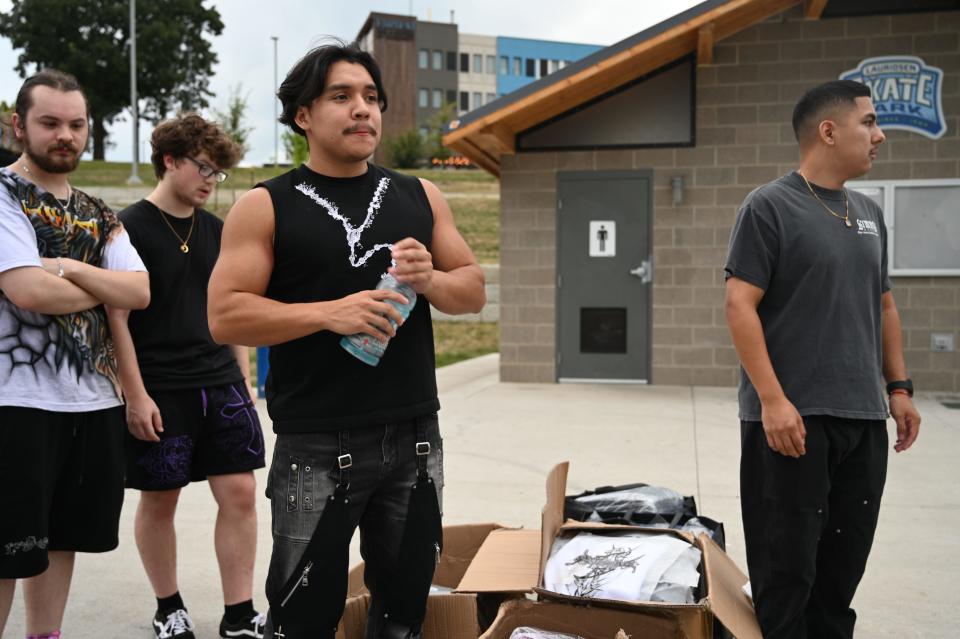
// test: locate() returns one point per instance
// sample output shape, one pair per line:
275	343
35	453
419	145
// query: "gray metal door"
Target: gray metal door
604	276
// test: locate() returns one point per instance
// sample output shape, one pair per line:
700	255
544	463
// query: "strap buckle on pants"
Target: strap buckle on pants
423	450
344	461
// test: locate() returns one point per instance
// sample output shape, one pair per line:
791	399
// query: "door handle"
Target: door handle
644	271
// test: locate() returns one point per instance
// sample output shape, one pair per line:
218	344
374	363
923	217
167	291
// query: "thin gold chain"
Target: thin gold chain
183	242
846	203
66	207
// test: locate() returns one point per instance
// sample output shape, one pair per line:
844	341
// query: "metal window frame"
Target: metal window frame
890	221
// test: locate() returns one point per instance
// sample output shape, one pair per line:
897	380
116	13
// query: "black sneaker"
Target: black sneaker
173	624
251	626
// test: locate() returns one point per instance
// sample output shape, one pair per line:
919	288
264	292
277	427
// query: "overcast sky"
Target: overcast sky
246	50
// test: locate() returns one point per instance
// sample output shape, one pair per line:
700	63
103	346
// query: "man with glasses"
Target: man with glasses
189	412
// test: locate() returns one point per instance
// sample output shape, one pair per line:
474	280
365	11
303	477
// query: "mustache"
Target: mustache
62	147
361	127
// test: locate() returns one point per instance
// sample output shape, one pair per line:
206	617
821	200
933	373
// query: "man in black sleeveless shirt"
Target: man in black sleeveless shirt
300	260
189	412
814	322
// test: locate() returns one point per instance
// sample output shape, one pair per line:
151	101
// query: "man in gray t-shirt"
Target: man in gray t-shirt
817	332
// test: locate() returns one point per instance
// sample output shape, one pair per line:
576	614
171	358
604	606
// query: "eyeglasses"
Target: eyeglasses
206	170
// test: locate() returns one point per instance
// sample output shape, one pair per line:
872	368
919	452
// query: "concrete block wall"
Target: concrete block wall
744	138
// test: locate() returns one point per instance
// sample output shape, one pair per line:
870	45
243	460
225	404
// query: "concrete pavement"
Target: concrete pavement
500	440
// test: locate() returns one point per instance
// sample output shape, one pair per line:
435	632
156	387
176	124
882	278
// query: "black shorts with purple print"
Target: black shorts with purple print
206	431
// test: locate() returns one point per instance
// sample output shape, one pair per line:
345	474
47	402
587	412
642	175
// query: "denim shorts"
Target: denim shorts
304	473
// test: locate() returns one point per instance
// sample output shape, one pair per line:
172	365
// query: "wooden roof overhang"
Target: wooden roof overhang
485	134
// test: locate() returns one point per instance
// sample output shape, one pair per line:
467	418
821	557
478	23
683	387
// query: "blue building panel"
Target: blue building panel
527	56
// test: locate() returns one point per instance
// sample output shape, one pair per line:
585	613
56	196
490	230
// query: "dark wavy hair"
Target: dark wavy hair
47	78
189	135
814	104
306	80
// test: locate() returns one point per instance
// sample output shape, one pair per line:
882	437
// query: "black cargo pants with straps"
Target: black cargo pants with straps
384	465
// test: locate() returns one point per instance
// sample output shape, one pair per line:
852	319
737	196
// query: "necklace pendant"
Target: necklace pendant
847	222
186	249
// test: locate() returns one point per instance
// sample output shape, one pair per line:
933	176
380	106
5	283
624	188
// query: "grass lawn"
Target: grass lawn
460	181
478	220
96	173
457	341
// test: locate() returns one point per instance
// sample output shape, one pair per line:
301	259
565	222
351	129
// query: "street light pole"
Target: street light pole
276	122
134	175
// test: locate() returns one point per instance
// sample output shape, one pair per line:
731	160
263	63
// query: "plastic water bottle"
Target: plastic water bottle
368	349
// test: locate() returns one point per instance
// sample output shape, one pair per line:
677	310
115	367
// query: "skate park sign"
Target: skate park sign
906	93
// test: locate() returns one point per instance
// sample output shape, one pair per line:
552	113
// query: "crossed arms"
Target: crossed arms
83	286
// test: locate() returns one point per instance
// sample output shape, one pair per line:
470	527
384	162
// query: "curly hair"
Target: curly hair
189	135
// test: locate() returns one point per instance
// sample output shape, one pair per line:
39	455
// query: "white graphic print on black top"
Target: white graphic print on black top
329	241
353	232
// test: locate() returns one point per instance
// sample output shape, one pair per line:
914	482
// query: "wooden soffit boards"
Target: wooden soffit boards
813	9
705	40
494	134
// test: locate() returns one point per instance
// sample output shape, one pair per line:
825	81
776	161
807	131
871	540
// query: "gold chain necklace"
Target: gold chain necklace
846	204
183	241
66	207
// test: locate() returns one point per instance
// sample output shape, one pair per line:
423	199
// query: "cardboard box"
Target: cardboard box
514	561
449	616
588	622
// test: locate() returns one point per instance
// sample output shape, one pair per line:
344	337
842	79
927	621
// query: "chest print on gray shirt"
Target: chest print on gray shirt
867	227
353	233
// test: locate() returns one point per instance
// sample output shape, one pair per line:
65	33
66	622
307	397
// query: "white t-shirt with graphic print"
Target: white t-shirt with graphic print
38	356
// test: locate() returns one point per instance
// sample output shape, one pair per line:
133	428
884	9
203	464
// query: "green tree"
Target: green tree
405	150
296	147
9	147
90	40
436	124
233	120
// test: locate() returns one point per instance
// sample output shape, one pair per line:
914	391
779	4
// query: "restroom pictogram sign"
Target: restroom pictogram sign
603	238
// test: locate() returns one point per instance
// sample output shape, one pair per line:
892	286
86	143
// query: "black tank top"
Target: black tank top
313	384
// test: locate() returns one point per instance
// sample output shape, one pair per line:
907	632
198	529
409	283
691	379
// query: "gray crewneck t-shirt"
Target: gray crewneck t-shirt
821	308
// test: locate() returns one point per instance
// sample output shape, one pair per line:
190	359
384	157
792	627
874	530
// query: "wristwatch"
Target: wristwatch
905	384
